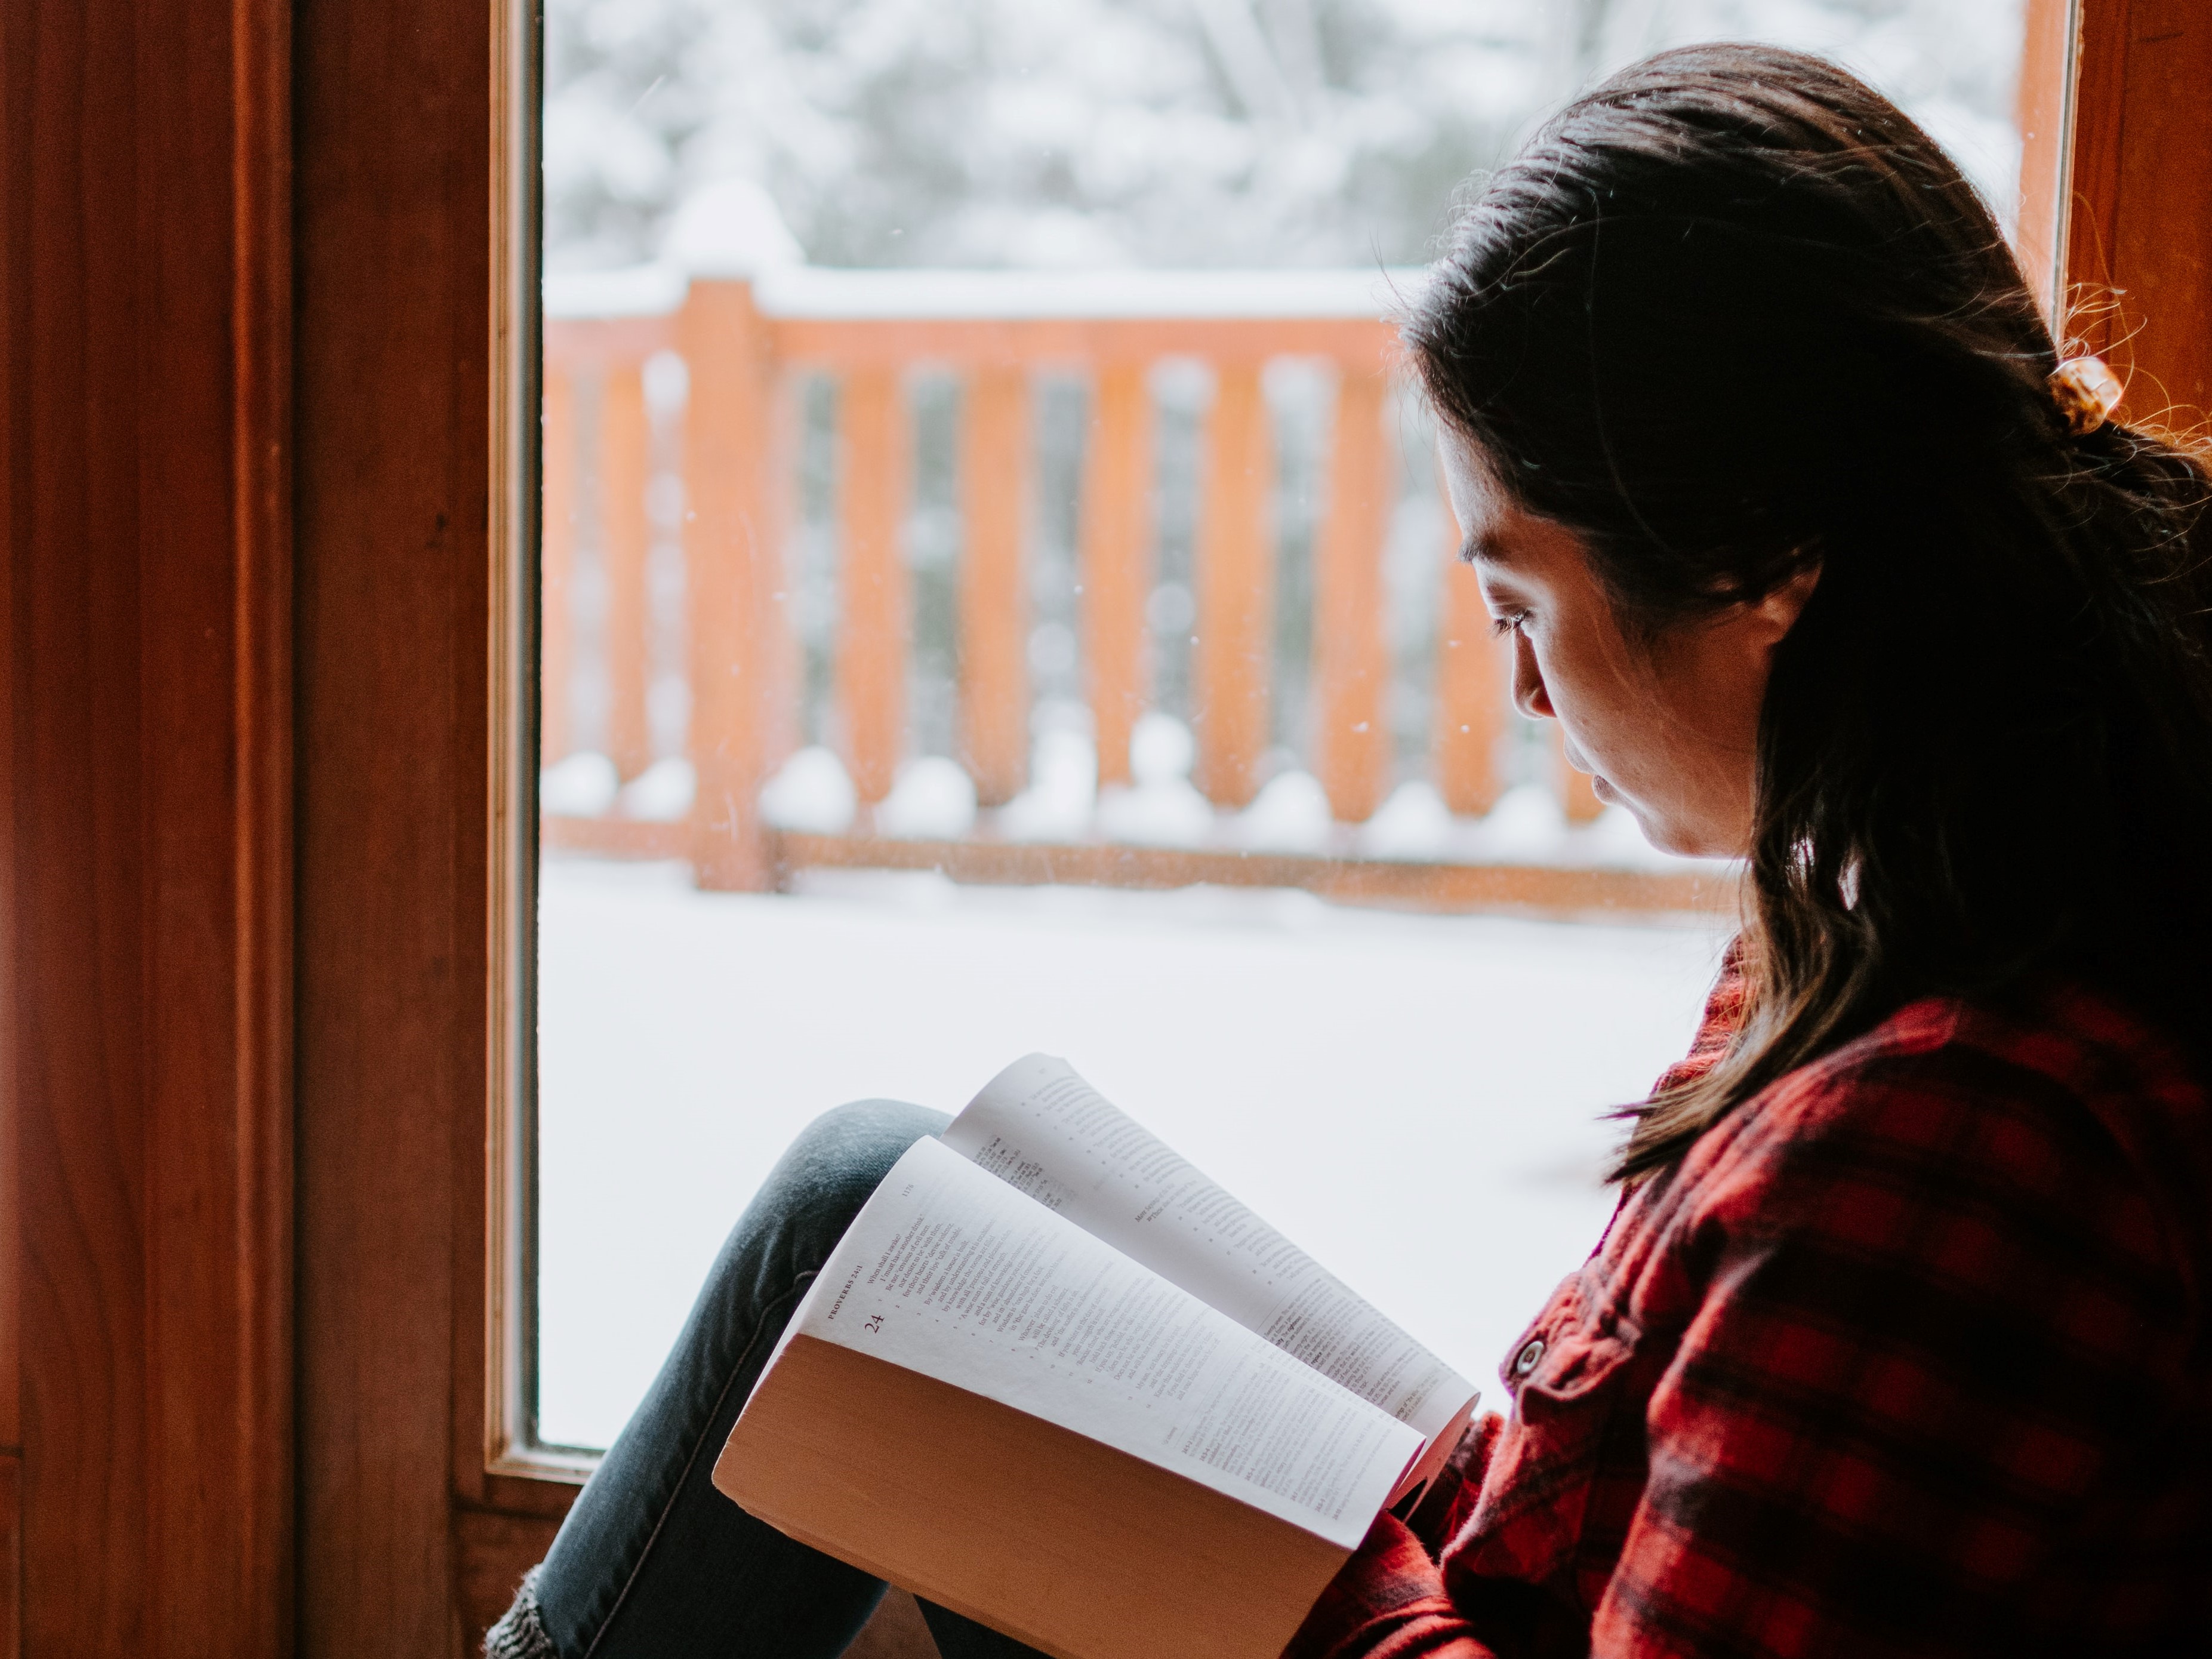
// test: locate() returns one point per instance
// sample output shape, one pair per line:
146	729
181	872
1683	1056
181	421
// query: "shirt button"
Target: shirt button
1529	1357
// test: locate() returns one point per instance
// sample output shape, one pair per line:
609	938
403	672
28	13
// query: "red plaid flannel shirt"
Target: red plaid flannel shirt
1909	1355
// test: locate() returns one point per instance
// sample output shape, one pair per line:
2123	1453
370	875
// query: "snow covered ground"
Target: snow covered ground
1415	1098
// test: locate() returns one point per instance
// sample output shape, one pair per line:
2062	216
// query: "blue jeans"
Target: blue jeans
652	1562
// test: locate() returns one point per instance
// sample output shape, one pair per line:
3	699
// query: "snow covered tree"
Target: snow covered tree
1162	132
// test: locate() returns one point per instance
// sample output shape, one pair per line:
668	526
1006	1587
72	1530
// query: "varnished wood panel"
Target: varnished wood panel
11	1556
16	424
146	641
147	968
492	1550
76	925
2139	246
2162	235
394	232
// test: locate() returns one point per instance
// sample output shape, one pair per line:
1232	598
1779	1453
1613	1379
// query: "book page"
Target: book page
950	1273
1044	1130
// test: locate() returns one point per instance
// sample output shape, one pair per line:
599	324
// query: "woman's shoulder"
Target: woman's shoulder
2059	1058
2059	1107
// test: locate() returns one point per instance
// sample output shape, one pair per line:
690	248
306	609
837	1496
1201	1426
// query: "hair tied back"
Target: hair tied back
2086	391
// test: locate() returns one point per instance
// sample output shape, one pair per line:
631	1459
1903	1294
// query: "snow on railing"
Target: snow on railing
844	295
689	386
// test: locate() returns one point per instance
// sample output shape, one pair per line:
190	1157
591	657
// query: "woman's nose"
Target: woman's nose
1529	696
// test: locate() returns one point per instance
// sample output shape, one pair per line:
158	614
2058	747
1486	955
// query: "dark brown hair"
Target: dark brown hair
1732	313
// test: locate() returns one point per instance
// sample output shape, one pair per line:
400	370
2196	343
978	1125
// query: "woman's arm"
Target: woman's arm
1935	1390
1933	1384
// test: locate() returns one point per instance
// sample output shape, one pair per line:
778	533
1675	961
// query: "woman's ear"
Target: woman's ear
1781	607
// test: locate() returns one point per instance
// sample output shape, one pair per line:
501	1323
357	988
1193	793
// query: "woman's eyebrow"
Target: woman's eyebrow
1477	548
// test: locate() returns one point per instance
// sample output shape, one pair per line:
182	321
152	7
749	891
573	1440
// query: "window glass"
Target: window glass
995	597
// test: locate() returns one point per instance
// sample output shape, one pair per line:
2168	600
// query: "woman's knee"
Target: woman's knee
829	1170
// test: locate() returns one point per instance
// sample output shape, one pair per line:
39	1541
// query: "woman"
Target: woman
1897	1343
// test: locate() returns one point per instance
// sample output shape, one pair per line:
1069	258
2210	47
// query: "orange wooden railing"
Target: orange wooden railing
742	349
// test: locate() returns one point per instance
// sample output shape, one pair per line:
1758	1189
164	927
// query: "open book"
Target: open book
1056	1379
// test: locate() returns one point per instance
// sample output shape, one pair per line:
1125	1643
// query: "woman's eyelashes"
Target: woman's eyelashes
1511	621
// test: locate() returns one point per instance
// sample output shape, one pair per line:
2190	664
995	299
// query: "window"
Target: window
996	597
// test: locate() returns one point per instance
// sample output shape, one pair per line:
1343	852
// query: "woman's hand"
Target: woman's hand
1389	1581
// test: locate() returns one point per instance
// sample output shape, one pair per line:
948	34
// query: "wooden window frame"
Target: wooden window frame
266	351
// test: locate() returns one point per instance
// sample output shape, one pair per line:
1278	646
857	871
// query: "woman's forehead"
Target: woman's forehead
1476	493
1486	509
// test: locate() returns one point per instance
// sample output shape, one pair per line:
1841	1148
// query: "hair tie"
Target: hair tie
2086	391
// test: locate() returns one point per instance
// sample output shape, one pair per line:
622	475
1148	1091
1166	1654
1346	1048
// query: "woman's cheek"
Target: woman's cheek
1583	718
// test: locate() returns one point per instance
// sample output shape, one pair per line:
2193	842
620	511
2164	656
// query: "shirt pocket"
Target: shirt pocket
1570	1375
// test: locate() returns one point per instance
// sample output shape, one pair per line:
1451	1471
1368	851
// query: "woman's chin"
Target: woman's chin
1680	840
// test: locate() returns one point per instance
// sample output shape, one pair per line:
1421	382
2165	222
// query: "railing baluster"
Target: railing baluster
1351	666
872	651
1236	589
994	472
730	559
625	449
1116	559
1472	688
557	557
783	665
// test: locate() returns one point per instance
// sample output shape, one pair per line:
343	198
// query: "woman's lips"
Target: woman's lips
1604	791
